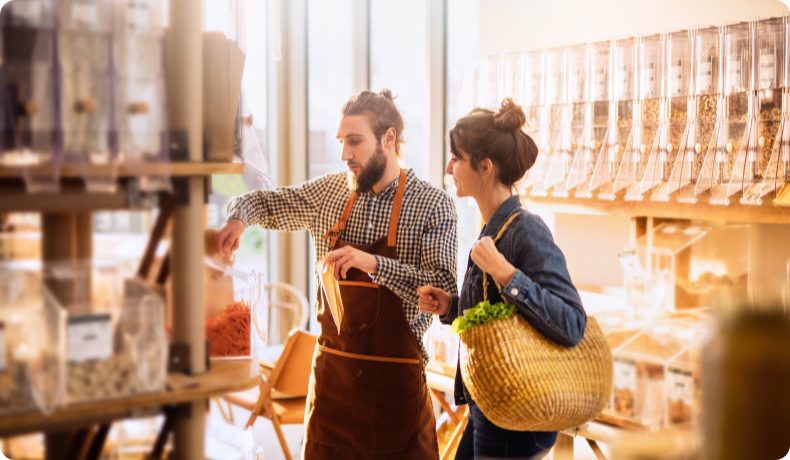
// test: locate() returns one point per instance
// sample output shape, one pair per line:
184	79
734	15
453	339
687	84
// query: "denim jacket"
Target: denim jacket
541	287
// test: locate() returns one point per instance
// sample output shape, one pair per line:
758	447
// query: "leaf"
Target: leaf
482	313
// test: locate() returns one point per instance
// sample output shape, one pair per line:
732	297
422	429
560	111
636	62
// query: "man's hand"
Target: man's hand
228	236
348	257
434	301
486	256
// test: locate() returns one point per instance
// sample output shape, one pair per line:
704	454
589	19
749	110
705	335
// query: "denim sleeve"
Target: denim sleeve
541	288
452	313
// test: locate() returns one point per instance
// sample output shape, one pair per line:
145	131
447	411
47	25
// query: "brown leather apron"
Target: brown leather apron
367	397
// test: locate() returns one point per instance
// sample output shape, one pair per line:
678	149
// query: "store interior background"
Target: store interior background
304	64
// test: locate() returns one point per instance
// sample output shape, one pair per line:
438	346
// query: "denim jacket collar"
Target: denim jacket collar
501	216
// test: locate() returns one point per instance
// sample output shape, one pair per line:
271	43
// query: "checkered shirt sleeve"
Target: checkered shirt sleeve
427	230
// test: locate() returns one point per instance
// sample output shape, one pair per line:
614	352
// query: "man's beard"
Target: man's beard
370	174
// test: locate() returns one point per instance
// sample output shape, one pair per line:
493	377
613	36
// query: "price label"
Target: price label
138	14
705	79
676	77
554	87
734	71
576	83
600	83
85	12
90	338
648	80
767	68
631	265
622	82
625	374
3	349
681	386
26	10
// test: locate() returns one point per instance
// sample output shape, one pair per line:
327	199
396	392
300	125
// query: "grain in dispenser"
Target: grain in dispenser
620	133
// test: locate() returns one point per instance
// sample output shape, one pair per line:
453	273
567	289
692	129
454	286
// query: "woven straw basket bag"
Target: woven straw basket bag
524	381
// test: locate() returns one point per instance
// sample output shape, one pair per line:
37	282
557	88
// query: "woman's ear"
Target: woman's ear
486	167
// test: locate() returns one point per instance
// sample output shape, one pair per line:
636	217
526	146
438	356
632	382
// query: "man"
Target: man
387	233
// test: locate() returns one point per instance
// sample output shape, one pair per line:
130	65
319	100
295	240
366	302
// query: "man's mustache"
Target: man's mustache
353	163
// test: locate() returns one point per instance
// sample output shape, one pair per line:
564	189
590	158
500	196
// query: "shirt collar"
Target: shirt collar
500	216
393	187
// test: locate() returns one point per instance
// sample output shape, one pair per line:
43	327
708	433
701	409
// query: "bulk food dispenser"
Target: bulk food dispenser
488	82
537	117
31	140
571	148
724	164
647	115
672	136
139	92
85	94
707	84
766	170
620	132
558	115
598	119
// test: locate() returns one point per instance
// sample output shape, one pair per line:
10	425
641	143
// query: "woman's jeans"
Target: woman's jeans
482	440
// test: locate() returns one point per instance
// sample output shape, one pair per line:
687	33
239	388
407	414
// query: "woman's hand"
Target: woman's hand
347	257
434	301
486	256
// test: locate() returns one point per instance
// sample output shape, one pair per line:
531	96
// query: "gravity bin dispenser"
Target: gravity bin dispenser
557	149
573	154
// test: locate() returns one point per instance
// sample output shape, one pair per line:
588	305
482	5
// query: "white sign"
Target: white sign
622	84
85	12
767	68
705	80
625	374
681	386
90	338
734	71
676	77
3	349
576	84
600	83
631	265
648	80
138	14
28	10
554	88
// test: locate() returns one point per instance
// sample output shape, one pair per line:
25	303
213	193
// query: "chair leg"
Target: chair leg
228	418
596	450
445	405
459	431
281	437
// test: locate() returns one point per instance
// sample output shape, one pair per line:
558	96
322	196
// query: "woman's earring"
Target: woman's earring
484	179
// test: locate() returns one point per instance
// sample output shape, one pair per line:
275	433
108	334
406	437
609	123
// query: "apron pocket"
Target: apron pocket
361	301
365	405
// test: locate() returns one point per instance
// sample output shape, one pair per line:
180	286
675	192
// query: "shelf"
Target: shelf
224	377
175	169
766	213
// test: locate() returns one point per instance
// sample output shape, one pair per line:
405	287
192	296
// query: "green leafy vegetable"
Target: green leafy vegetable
481	314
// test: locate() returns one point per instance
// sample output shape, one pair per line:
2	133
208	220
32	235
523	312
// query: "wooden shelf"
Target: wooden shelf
224	377
175	169
767	213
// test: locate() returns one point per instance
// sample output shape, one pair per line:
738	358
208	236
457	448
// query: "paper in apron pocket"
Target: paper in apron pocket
331	290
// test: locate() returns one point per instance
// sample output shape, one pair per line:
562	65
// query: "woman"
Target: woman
490	153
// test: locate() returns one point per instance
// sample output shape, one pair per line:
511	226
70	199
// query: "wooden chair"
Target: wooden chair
283	396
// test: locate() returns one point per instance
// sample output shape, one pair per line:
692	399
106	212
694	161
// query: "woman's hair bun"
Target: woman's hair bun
386	93
510	116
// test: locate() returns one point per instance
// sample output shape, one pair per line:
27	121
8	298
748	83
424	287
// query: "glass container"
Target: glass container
766	170
673	132
735	111
573	153
84	45
599	117
558	121
620	133
32	133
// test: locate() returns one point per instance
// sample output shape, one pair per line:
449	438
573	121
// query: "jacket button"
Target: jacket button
514	291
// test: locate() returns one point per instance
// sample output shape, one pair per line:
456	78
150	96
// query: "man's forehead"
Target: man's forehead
353	125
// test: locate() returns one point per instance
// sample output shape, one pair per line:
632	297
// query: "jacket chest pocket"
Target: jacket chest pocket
361	303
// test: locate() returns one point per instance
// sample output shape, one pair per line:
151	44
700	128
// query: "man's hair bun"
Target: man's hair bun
386	93
510	116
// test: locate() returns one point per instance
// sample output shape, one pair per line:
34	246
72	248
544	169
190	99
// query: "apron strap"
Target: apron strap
393	233
334	232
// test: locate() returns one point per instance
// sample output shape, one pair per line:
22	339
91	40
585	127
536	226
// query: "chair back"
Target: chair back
291	374
286	308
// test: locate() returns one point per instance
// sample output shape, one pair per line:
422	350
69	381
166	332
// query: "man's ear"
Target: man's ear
389	138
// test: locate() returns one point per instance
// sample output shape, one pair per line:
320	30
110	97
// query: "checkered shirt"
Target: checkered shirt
427	230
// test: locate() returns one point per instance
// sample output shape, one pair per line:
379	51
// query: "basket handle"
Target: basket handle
496	238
